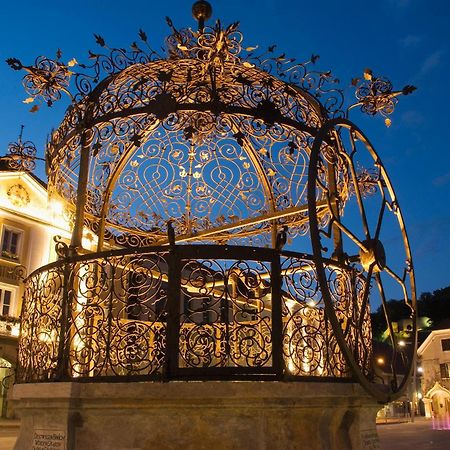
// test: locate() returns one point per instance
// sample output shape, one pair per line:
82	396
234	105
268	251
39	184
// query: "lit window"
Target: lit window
10	243
5	302
444	368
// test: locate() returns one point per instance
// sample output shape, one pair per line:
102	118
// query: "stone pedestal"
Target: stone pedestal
195	415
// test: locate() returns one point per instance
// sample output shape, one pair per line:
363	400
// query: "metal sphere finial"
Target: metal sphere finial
201	10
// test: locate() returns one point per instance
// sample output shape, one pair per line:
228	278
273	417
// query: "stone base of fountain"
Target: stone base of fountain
210	415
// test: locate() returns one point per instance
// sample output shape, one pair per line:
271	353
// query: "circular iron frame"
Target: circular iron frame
383	393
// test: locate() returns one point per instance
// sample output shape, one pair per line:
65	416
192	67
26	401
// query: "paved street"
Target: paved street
413	436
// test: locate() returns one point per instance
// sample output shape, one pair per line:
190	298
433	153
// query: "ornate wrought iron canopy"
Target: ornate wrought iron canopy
231	129
220	143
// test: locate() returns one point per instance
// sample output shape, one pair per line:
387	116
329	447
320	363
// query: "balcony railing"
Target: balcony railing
188	312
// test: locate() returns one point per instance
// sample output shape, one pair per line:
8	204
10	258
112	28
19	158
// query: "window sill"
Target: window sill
13	260
10	256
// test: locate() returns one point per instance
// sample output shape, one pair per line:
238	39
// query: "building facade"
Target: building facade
28	224
434	355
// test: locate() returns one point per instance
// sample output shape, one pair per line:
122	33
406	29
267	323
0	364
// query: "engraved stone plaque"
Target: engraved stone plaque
369	440
49	440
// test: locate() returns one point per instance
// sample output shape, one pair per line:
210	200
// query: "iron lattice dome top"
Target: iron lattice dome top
213	137
204	138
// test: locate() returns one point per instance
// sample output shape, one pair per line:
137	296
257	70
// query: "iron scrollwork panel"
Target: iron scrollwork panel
309	345
346	289
118	325
307	338
225	314
38	356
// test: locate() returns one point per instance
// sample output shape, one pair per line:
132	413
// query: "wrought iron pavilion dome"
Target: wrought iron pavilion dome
182	149
218	143
206	138
213	137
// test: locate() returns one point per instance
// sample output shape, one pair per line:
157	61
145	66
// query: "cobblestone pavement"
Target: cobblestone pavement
419	435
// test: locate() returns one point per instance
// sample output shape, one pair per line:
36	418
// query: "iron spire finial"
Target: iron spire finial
201	10
21	133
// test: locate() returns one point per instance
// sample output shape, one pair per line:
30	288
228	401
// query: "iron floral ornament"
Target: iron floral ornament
212	47
375	95
21	155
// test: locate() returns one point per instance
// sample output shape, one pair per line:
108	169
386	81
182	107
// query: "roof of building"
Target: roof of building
5	167
444	332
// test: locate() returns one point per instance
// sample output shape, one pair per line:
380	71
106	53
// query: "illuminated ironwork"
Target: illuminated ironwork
221	145
359	240
376	95
21	155
187	312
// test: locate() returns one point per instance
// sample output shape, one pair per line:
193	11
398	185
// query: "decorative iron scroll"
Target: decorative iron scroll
125	314
310	347
39	357
226	317
118	315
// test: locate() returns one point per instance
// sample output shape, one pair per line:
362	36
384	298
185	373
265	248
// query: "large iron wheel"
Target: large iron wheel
363	229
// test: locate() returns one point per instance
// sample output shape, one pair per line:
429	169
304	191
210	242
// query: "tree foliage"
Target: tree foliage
435	305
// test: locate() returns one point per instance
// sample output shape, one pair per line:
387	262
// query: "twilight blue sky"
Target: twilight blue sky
406	40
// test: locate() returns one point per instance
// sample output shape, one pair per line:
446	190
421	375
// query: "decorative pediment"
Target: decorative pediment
437	388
